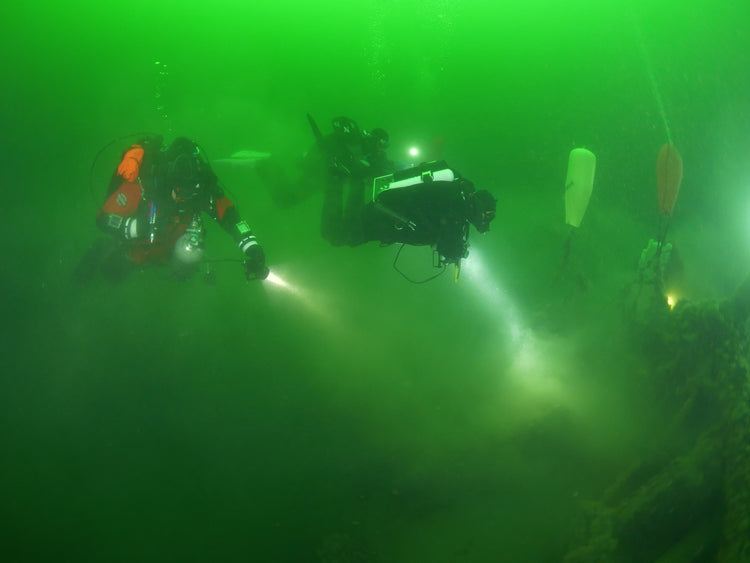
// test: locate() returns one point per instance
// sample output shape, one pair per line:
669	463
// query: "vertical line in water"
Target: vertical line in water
650	72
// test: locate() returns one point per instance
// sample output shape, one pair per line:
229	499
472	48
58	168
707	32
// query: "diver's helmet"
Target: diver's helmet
482	207
189	178
346	129
376	140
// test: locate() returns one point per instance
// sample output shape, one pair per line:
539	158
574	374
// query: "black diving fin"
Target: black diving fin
315	129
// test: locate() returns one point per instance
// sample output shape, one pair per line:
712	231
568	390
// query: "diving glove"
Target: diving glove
255	264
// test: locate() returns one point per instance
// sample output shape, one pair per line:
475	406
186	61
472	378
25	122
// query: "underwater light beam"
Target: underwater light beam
530	364
496	299
277	280
313	304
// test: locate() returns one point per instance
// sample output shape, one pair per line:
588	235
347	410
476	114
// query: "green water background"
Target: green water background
358	417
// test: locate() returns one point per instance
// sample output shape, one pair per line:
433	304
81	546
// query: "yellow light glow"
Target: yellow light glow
671	301
414	151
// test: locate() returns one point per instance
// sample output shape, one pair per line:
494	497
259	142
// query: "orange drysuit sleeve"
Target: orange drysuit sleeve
131	163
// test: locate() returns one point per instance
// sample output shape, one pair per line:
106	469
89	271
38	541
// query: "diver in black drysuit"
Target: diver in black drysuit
430	204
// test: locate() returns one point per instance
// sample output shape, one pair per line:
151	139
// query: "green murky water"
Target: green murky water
351	416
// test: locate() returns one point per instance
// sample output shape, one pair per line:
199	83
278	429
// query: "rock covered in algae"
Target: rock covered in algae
690	501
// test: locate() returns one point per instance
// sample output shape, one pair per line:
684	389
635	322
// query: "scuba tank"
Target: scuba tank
189	248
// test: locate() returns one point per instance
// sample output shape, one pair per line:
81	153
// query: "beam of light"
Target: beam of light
277	280
494	297
315	304
533	365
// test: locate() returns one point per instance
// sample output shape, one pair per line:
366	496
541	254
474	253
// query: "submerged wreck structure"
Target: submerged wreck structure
688	500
